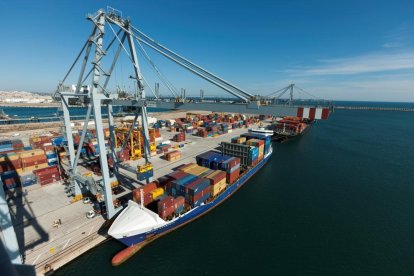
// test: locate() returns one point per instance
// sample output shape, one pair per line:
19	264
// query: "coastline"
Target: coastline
31	105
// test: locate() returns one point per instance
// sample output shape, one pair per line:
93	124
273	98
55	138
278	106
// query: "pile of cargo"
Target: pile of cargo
11	146
47	175
145	171
33	160
217	161
173	155
290	125
19	164
179	137
267	139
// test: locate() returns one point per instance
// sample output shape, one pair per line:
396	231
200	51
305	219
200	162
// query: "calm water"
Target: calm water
338	201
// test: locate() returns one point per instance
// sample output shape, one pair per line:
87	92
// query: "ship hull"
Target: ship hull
194	213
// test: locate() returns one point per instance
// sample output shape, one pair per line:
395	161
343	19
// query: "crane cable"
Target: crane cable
157	71
126	52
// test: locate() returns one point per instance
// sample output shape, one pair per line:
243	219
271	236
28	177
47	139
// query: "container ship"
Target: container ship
289	127
189	192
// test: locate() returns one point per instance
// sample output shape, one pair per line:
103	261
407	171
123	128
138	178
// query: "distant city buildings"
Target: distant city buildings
23	97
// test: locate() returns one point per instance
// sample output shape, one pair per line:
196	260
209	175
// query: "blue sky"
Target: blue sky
349	50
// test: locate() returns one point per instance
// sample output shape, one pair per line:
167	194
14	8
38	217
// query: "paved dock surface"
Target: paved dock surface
35	212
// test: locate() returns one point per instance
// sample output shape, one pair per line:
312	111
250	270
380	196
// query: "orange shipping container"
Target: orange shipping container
35	167
218	187
29	153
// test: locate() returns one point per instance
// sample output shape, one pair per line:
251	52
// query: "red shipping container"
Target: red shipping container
177	175
147	199
35	163
10	165
199	195
136	194
48	170
231	177
48	181
48	176
179	201
217	178
48	147
167	212
165	203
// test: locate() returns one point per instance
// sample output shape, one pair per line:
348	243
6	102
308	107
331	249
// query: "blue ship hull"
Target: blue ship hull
198	211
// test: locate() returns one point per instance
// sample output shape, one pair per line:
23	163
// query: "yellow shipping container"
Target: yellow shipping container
35	167
219	187
157	193
35	139
197	170
189	167
29	153
242	140
9	157
174	158
19	171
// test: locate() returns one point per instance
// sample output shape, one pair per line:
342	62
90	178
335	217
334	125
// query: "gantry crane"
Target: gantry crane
96	95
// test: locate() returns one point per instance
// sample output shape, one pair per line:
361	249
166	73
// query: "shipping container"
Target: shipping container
197	170
197	186
35	167
216	177
11	156
232	177
219	186
165	203
167	212
30	153
156	193
199	198
136	193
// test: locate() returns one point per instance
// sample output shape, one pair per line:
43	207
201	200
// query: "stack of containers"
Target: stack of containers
197	191
179	203
238	140
33	160
186	167
38	141
11	145
217	182
47	175
253	156
179	137
206	158
166	207
265	138
196	170
173	155
10	180
28	179
259	144
178	186
218	159
51	155
10	162
232	169
157	193
202	132
146	189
